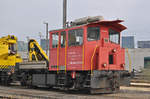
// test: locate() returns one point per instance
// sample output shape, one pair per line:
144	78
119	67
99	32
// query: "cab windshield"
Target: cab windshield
114	36
93	33
13	48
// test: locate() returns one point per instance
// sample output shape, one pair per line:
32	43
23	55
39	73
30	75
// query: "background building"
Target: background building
22	46
23	49
128	42
143	44
43	44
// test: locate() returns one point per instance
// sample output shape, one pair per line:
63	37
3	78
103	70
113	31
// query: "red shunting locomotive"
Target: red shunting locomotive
85	56
88	55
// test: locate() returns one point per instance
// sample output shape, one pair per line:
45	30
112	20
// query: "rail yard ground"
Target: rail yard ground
17	92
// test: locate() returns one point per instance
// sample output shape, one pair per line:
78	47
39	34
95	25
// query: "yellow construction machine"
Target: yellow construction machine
13	68
9	58
37	59
37	62
8	52
36	53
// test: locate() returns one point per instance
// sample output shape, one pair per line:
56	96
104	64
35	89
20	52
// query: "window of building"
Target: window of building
114	36
93	33
75	37
111	59
55	39
63	38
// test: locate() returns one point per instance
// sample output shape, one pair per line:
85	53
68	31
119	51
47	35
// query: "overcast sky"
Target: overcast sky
25	17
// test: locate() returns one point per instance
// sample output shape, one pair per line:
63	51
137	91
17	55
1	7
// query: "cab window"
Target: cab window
114	36
75	37
55	39
13	48
93	33
63	38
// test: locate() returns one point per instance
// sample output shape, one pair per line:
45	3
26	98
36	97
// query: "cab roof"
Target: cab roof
114	23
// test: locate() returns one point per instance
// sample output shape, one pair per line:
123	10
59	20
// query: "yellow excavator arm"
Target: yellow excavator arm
36	53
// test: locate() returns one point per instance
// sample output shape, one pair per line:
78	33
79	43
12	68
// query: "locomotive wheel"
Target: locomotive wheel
115	83
25	80
5	79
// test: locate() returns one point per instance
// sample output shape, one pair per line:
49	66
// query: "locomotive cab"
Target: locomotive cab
89	56
94	46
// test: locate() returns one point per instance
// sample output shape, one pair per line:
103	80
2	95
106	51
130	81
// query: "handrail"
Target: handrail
58	57
83	57
92	59
65	56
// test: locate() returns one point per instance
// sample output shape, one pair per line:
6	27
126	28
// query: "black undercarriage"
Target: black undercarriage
97	82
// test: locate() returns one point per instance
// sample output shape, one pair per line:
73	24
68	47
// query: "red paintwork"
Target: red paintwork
75	53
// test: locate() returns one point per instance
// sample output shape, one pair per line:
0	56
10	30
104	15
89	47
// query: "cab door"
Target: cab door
54	44
115	55
62	51
75	49
92	46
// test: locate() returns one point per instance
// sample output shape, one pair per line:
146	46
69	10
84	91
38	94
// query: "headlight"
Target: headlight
104	65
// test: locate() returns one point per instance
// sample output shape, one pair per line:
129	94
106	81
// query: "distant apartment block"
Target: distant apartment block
143	44
128	42
43	44
22	46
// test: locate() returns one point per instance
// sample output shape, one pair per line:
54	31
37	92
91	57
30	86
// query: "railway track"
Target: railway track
17	92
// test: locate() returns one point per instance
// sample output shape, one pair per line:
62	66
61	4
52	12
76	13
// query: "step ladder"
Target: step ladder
87	83
62	79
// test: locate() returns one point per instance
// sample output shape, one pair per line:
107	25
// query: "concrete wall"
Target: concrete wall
137	58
